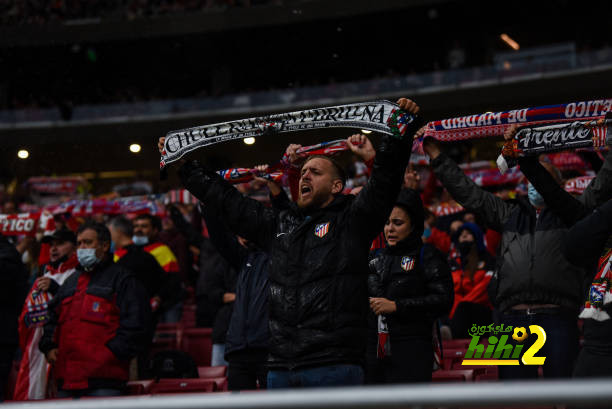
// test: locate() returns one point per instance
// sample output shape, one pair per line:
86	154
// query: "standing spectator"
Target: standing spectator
535	283
318	257
146	231
13	288
33	369
150	274
472	273
97	321
410	287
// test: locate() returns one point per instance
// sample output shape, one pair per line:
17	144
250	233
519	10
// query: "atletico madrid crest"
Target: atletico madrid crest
407	263
321	229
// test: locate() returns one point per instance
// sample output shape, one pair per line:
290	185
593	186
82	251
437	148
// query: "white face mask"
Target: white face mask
87	257
25	257
140	240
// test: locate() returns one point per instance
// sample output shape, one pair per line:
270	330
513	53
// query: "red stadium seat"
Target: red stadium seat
453	375
197	342
212	371
139	387
182	386
220	383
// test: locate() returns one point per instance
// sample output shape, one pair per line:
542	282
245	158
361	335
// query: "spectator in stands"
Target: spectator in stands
97	321
176	241
146	231
410	286
318	258
472	272
148	271
33	369
13	288
535	283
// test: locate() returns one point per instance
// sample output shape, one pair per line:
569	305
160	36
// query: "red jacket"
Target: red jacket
97	321
474	290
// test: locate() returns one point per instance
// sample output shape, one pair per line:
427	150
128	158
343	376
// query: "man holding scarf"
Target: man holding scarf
318	259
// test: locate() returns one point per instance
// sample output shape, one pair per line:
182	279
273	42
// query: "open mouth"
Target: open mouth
305	190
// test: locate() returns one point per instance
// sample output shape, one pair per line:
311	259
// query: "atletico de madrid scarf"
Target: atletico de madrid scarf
600	293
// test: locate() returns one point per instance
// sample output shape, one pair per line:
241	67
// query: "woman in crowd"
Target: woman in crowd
410	286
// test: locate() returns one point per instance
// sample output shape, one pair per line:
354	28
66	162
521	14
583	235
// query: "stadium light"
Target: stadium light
365	131
135	148
508	40
249	141
23	154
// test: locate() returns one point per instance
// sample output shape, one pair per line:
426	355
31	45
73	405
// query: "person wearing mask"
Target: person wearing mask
472	272
410	286
318	252
146	229
33	369
533	283
97	322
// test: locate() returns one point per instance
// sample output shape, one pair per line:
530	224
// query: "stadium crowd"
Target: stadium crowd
329	281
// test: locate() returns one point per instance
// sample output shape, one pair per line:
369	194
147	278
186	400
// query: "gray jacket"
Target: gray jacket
531	266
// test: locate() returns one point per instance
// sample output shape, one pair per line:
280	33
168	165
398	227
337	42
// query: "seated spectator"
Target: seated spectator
97	321
410	286
471	276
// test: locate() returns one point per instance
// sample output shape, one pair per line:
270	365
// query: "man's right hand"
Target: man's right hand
291	152
430	145
43	283
52	356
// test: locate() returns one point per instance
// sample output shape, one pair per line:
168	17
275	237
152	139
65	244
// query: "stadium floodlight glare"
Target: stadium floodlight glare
135	148
23	154
365	131
508	40
249	141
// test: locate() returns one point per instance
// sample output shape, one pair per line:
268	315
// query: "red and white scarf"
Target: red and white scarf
600	293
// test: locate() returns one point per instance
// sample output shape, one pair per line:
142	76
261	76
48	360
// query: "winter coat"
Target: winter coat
98	322
532	268
13	290
418	279
248	326
318	259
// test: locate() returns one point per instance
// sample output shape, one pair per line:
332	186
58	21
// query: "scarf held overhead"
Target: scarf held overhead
379	116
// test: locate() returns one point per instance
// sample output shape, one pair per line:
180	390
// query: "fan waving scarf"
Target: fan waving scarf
379	116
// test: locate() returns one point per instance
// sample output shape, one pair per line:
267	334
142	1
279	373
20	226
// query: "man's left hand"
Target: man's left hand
382	306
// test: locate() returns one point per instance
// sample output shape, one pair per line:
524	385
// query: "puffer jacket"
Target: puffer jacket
418	279
318	259
532	268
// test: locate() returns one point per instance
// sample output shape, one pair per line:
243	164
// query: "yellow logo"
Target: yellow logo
499	352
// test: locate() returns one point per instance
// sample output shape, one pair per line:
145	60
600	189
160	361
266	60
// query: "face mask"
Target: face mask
113	247
426	232
87	257
535	198
464	248
25	257
140	240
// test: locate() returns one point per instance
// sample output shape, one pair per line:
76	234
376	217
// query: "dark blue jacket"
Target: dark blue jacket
248	326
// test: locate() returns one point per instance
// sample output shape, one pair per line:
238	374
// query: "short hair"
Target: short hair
155	221
101	230
123	224
338	169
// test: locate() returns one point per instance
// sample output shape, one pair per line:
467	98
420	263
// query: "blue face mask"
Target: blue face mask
113	247
140	240
87	257
535	198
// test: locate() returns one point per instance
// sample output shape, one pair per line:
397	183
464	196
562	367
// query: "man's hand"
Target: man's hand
431	147
52	356
160	144
275	189
43	283
411	178
291	152
408	105
510	132
361	146
382	306
228	298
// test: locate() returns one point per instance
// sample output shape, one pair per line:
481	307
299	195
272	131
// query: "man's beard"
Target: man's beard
317	200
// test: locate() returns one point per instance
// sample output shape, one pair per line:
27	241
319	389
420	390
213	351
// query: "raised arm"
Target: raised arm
242	215
373	204
464	190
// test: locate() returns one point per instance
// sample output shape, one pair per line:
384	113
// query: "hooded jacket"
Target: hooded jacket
531	269
318	259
